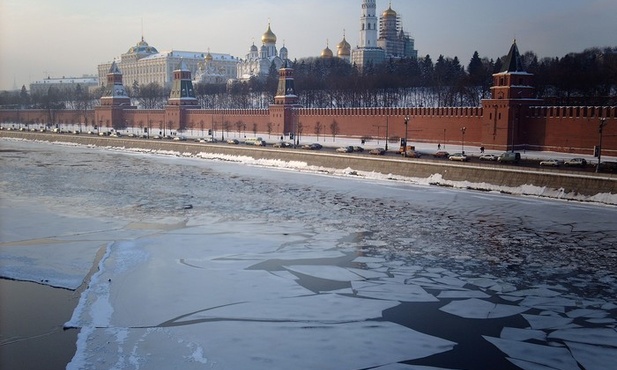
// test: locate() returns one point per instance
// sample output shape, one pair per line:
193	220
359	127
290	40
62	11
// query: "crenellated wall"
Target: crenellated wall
564	129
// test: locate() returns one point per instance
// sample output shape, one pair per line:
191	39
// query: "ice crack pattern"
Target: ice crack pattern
276	269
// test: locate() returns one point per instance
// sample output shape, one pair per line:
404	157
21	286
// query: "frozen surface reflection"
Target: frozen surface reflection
229	266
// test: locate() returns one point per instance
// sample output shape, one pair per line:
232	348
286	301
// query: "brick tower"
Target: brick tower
181	98
283	113
113	102
511	95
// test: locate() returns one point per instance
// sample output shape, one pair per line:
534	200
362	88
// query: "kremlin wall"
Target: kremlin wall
511	120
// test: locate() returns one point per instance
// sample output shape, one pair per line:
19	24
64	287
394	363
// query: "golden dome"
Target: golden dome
389	12
209	56
327	53
344	49
268	37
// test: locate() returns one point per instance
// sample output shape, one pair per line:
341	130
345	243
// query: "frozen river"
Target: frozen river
202	263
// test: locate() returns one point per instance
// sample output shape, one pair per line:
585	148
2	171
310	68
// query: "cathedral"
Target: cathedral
258	61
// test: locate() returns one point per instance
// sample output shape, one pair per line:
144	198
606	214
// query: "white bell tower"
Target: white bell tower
368	24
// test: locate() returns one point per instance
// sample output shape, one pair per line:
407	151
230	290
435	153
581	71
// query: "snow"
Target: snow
277	266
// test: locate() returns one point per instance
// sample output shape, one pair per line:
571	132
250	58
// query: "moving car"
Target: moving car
377	151
550	163
345	149
576	162
488	157
458	157
509	157
314	146
441	154
282	144
233	141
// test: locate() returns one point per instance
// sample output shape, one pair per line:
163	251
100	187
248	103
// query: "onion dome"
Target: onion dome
268	37
209	57
389	12
254	48
327	53
142	47
344	49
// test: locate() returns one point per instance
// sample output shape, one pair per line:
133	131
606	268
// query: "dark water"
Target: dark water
31	320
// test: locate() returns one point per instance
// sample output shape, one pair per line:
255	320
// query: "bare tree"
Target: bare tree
334	129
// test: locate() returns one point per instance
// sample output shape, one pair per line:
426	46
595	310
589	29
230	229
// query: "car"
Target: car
550	163
509	157
458	157
233	141
441	154
358	149
608	167
377	151
412	154
488	157
314	146
345	149
180	138
576	162
282	144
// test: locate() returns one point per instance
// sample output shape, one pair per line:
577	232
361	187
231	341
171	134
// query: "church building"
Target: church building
258	61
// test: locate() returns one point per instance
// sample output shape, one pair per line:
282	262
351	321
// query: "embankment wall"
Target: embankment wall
569	184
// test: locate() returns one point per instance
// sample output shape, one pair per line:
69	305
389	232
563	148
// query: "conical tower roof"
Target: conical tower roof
513	60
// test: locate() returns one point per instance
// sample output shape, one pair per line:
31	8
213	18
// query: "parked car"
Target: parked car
441	154
488	157
550	163
509	157
233	141
458	157
358	149
345	149
282	144
377	151
576	162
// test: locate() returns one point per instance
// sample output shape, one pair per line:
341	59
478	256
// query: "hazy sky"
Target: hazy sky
71	37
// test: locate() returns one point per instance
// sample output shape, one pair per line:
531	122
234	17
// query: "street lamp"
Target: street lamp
387	125
600	127
463	129
405	144
444	138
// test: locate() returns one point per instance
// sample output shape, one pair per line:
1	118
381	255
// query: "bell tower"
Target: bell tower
511	95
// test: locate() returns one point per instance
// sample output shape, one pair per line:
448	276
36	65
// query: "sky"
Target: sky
56	38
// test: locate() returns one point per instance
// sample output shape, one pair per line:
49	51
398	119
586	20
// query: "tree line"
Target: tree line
585	78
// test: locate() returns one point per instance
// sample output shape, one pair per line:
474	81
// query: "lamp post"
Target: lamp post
463	129
406	125
444	138
387	125
600	127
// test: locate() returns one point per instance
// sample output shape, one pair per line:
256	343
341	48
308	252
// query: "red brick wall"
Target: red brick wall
564	129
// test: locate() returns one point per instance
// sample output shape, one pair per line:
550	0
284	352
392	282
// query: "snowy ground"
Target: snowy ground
213	264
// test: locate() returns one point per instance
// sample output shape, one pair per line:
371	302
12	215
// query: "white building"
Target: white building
258	61
144	64
86	83
216	68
